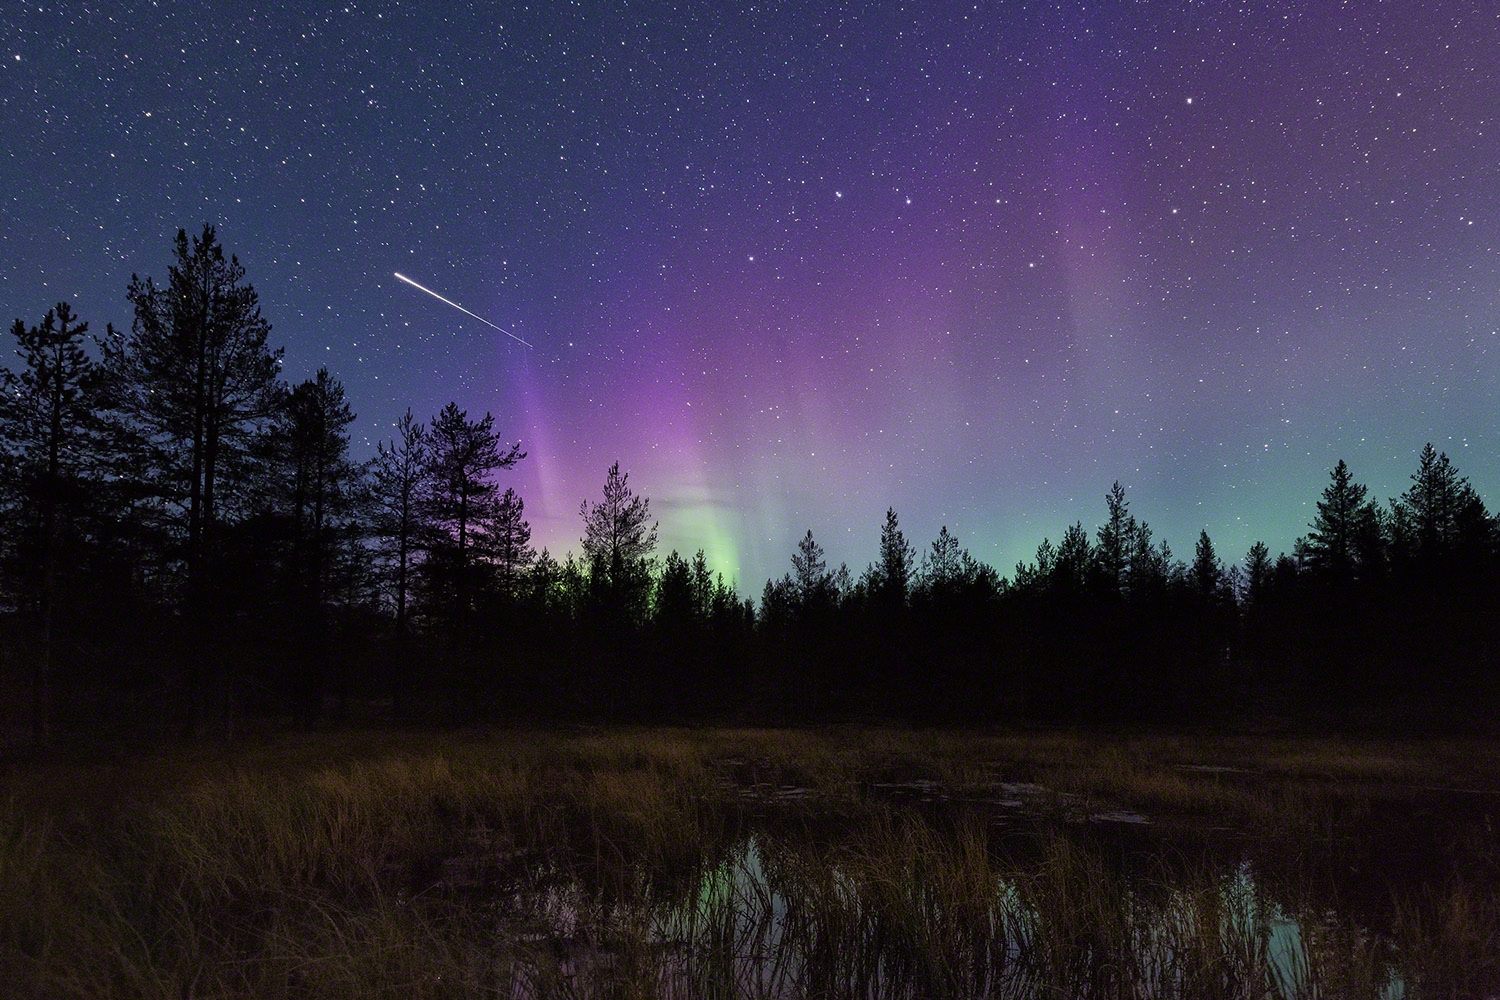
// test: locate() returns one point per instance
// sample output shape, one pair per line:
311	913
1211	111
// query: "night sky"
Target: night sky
792	264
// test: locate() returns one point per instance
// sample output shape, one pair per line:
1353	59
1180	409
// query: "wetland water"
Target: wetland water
850	863
775	943
1020	893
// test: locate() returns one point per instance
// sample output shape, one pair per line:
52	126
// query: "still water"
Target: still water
911	911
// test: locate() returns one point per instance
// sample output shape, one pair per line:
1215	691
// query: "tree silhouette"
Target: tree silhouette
705	587
1075	555
1258	572
618	540
809	571
1345	526
678	637
942	568
1440	513
196	379
46	427
544	587
462	504
461	511
673	605
181	483
1206	575
1152	568
1036	576
1446	573
1116	537
312	444
315	487
509	542
195	383
892	574
399	487
777	600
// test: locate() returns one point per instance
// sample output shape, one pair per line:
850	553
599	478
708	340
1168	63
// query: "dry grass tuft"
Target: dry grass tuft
730	863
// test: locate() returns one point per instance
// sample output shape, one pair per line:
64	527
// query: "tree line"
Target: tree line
186	542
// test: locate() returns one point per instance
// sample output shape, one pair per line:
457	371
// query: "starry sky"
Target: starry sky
794	263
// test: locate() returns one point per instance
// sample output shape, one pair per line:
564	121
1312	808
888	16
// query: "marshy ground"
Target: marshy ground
843	862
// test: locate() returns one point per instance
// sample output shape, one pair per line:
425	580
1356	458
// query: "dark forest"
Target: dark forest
188	546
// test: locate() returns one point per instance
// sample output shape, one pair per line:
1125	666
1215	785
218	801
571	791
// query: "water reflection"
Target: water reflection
910	913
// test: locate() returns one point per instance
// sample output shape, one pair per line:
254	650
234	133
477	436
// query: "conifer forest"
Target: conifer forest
189	542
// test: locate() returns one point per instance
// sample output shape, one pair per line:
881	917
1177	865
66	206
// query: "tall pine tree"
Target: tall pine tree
619	538
193	385
47	423
399	488
1345	526
196	381
462	505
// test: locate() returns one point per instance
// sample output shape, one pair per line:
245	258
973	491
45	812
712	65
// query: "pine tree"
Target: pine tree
1207	573
195	382
1440	514
1036	576
776	602
1116	535
943	569
309	497
673	605
318	481
809	571
618	540
462	507
1343	527
462	503
400	481
841	584
1259	571
47	424
1070	569
47	408
544	590
898	562
703	586
509	542
1151	565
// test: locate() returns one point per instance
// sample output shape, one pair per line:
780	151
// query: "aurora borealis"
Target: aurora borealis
793	264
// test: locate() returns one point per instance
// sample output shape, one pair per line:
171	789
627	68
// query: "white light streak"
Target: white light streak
460	308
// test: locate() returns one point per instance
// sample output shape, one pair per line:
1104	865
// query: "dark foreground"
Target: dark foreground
857	862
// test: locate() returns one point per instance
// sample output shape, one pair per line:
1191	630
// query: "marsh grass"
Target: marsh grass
742	863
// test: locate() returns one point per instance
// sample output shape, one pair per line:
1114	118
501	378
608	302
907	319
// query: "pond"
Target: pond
931	898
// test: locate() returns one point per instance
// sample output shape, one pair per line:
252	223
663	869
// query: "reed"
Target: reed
736	863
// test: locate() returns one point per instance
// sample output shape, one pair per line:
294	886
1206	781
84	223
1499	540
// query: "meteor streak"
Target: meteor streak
459	308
